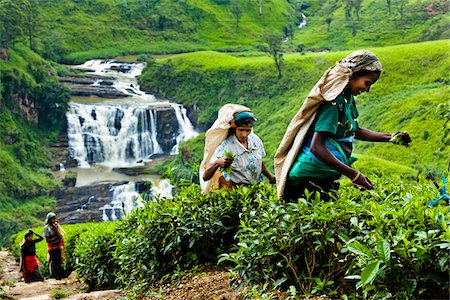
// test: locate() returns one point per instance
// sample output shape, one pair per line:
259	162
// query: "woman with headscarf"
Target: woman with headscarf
29	264
316	148
54	236
233	153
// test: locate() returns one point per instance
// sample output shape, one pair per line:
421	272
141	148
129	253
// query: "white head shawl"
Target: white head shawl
214	136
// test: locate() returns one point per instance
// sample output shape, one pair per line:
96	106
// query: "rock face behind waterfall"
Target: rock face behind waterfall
83	204
167	129
92	85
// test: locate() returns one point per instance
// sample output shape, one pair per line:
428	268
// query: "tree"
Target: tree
348	9
30	9
329	8
11	23
236	10
400	6
388	2
273	48
52	100
357	7
260	6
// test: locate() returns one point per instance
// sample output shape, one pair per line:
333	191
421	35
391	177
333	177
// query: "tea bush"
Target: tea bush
382	243
172	235
94	260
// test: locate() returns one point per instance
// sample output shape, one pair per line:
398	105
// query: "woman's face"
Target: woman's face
29	237
363	83
243	131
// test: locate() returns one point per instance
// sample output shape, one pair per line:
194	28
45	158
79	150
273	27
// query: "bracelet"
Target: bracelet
356	177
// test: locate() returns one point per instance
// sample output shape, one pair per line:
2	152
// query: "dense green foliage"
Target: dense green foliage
387	242
68	30
24	174
406	97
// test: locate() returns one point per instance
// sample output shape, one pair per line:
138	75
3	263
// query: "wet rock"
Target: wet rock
133	171
99	91
82	204
167	129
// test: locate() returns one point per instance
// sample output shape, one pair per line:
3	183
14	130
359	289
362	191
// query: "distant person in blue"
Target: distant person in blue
317	146
233	153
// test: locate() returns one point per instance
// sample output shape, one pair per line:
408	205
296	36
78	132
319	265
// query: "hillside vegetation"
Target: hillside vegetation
412	87
73	31
384	243
32	107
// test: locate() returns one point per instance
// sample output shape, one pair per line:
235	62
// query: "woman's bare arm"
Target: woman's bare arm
320	150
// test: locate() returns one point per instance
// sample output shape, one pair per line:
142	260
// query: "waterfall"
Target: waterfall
303	22
125	199
120	133
187	130
111	134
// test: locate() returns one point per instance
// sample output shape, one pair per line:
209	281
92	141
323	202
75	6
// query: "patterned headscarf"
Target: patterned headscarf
361	60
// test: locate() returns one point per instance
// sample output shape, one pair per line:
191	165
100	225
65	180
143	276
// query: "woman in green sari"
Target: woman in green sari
316	149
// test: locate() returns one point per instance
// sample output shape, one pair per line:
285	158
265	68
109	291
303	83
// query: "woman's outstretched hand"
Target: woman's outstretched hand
362	182
400	138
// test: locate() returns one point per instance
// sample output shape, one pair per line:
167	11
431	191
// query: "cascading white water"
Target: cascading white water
303	22
123	132
125	199
185	124
111	134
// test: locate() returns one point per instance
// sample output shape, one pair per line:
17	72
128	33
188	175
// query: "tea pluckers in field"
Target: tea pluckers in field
233	153
29	264
54	235
316	148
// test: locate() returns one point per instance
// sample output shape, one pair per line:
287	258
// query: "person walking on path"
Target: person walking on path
233	153
54	236
316	148
29	264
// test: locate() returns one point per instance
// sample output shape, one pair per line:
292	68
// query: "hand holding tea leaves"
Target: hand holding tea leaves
401	138
227	160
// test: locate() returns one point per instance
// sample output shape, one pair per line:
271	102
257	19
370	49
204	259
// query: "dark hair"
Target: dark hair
362	73
245	121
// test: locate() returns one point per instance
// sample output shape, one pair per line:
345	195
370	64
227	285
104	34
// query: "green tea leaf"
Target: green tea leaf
383	250
369	273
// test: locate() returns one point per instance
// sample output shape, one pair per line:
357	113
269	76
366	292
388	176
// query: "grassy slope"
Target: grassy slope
413	83
107	28
23	158
112	27
421	20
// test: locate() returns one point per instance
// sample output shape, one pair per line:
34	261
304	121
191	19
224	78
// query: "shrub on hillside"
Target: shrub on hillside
172	235
94	261
382	243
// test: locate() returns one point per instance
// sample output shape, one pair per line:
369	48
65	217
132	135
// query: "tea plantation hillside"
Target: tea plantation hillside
411	95
73	31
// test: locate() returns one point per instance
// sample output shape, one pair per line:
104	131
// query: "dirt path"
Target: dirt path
213	283
15	288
